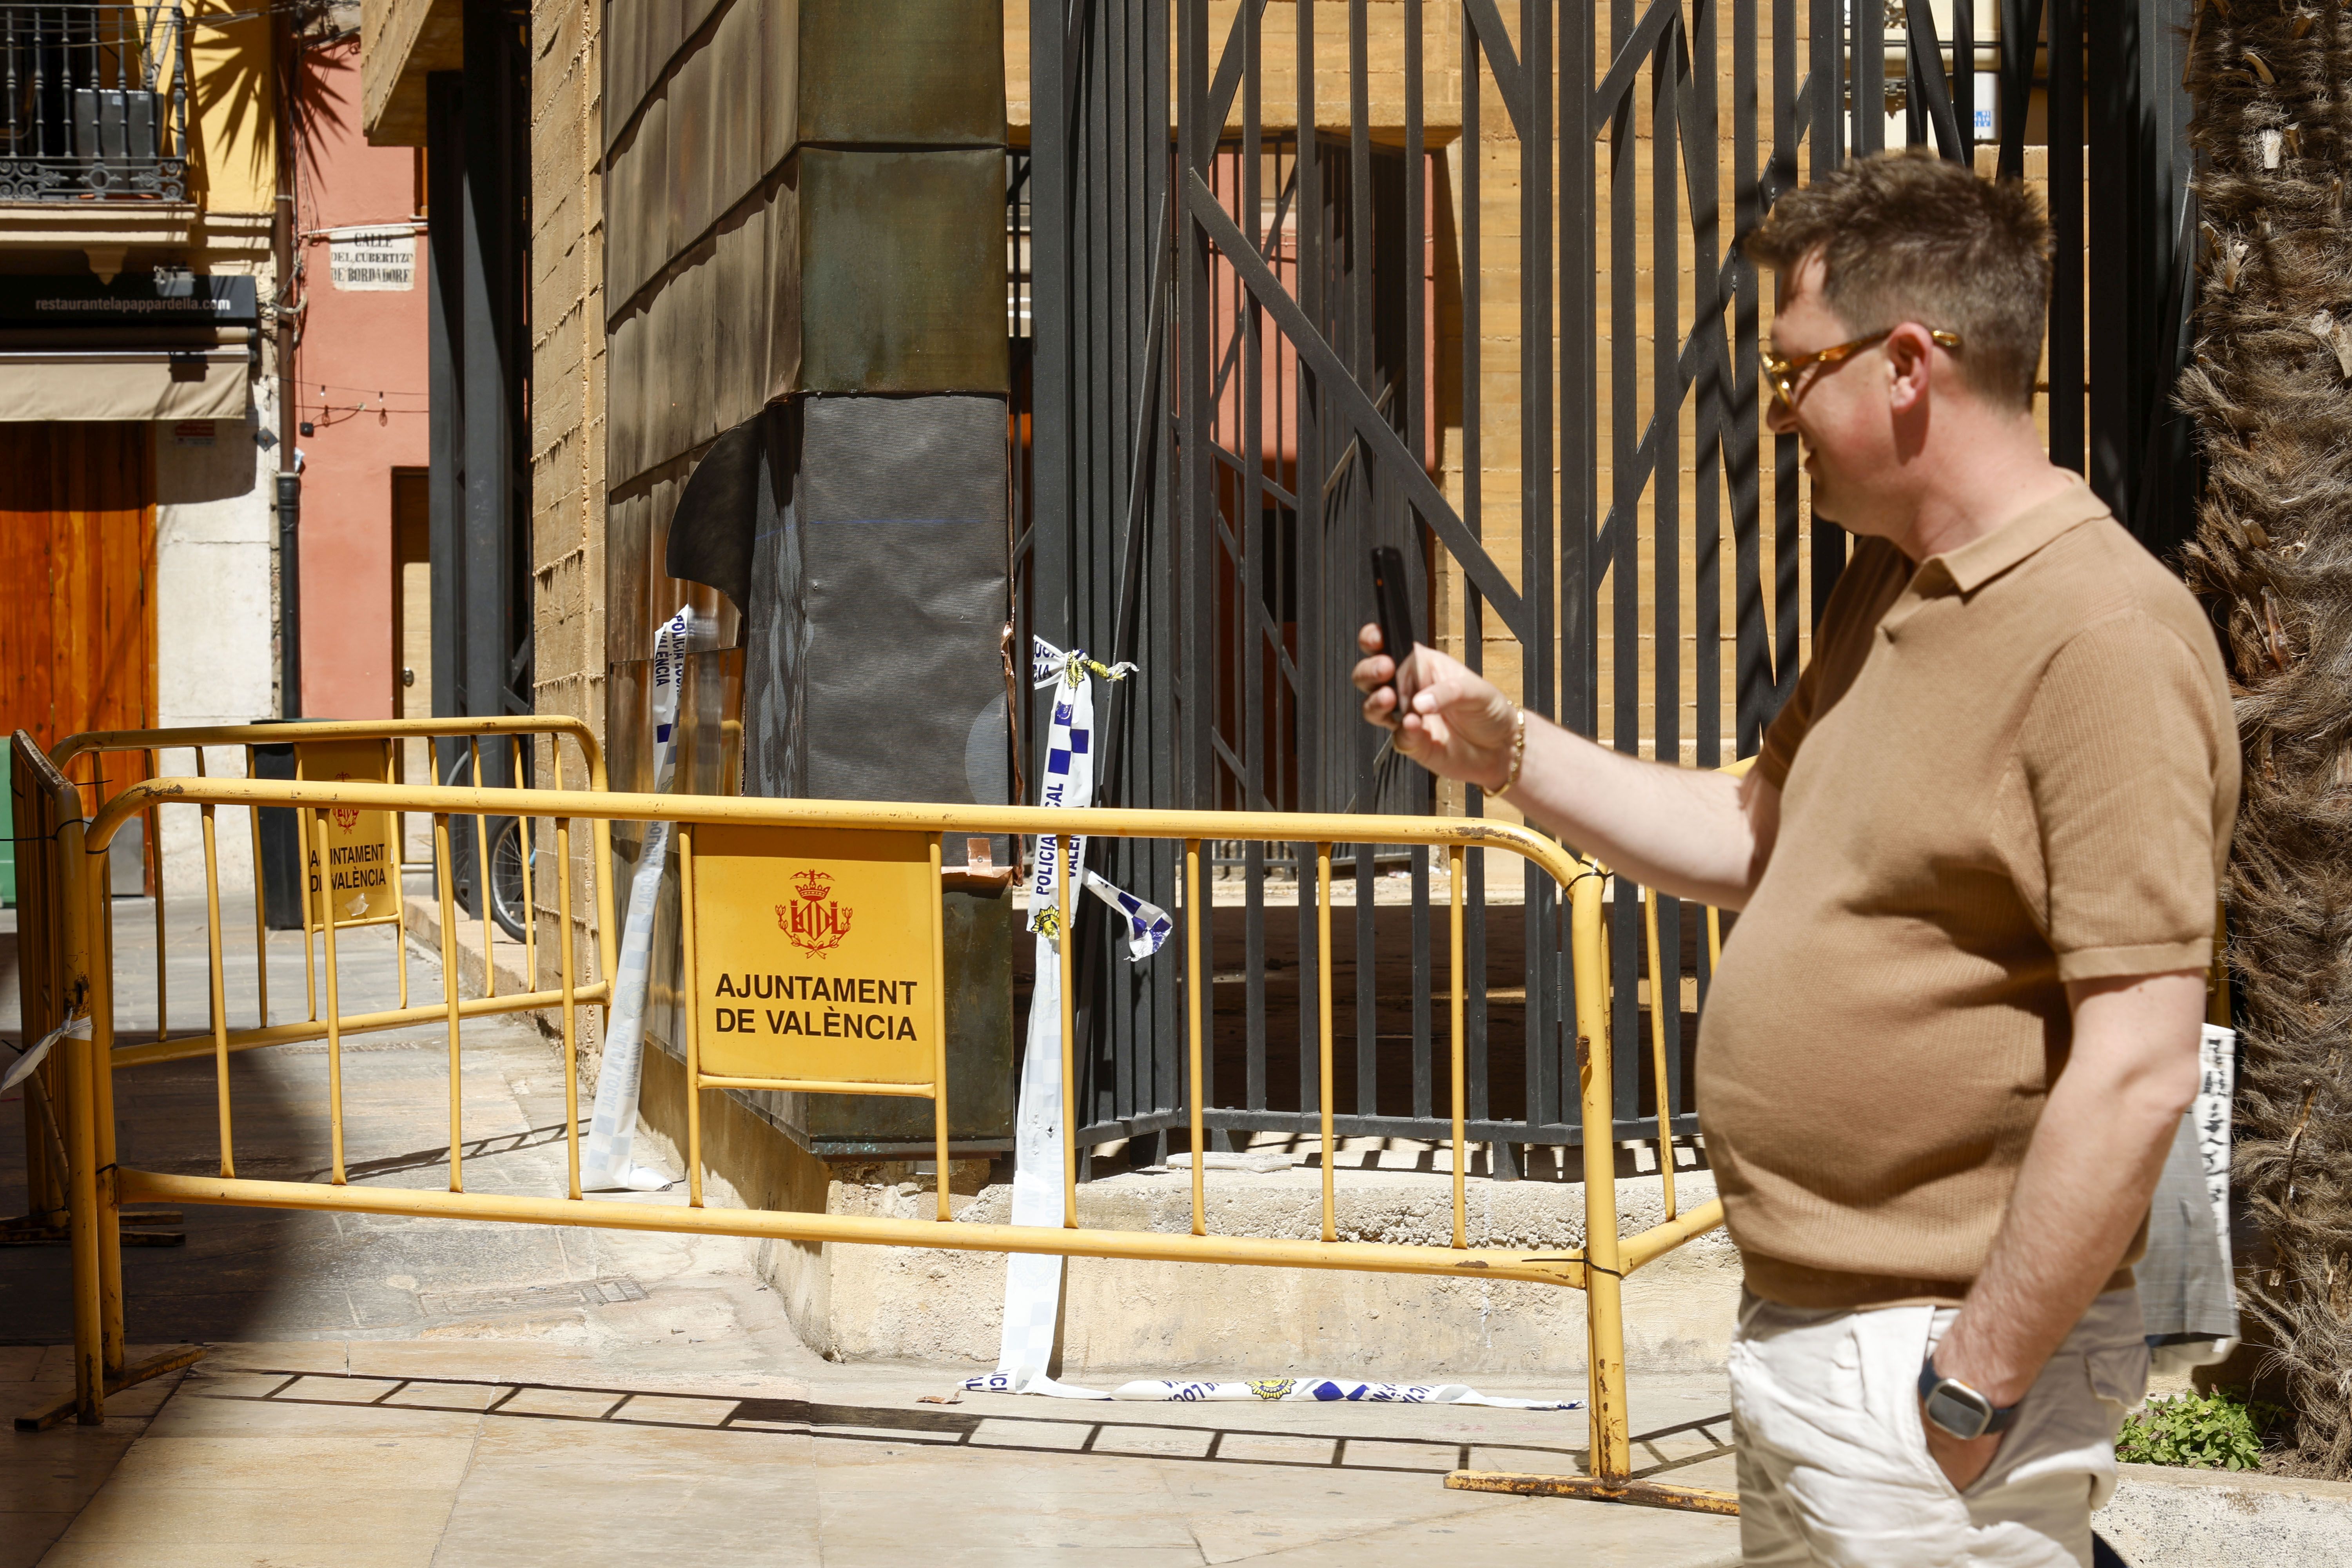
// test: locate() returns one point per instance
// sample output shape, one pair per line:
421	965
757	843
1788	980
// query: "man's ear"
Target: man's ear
1910	351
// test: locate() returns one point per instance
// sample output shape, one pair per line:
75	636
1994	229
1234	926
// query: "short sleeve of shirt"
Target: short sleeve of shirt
2121	755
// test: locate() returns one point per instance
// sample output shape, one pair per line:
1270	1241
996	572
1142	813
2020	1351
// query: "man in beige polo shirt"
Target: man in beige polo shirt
1956	1024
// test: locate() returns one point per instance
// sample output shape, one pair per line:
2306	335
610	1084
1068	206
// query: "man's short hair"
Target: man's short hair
1909	237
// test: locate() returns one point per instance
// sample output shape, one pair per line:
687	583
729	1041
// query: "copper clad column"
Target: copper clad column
809	373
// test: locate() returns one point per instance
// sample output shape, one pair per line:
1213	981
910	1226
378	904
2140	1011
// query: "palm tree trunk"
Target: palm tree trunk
2271	388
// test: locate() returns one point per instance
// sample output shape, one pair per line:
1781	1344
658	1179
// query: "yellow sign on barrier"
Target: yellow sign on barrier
816	954
362	881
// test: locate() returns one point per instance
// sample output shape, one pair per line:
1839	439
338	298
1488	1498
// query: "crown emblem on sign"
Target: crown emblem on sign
346	817
815	921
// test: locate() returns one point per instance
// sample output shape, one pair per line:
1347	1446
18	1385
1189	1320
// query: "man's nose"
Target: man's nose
1778	418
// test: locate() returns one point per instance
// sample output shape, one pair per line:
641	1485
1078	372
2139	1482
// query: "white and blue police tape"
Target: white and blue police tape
1148	924
76	1027
1033	1282
604	1157
1328	1391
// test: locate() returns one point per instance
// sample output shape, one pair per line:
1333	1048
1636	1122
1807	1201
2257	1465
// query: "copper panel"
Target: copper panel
901	271
700	346
737	112
780	84
738	369
918	72
781	291
628	709
695	138
696	12
653	238
628	587
624	400
686	147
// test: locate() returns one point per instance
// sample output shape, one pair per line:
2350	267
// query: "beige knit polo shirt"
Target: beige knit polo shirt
2009	769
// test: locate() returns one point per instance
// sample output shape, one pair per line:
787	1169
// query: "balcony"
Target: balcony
93	103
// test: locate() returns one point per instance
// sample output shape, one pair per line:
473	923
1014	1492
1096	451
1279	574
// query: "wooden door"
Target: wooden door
76	578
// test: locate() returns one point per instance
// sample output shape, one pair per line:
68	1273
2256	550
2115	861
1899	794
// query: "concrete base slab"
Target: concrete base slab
2160	1516
866	1303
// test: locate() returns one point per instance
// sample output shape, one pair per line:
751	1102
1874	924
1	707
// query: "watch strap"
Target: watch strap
1930	1380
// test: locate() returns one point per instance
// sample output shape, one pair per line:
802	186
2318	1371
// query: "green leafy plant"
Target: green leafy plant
2216	1431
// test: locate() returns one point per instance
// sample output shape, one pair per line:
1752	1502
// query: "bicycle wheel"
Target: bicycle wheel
509	877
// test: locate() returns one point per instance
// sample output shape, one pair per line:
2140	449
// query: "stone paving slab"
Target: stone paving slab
400	1392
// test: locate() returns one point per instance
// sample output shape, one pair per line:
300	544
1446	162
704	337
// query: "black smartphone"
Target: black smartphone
1395	606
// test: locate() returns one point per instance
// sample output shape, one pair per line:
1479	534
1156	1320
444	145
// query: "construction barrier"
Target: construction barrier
813	964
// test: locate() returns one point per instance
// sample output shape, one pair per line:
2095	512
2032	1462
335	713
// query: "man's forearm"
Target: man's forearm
2088	1176
1682	830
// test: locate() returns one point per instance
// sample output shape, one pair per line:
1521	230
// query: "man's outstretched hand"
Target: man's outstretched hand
1454	722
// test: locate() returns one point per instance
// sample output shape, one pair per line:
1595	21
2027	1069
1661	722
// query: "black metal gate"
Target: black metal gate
1289	323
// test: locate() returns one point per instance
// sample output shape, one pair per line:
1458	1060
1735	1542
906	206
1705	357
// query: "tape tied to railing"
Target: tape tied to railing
605	1162
30	1057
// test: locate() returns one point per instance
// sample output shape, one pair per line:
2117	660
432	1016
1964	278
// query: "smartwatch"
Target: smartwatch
1958	1408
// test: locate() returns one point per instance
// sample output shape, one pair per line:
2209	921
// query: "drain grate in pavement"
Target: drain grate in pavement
524	1298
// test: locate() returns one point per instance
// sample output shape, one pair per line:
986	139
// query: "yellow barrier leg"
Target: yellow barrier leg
940	1027
1065	949
334	1009
1323	1013
108	1210
444	879
1456	868
261	920
571	1003
693	1019
218	993
1195	979
1604	1279
81	1186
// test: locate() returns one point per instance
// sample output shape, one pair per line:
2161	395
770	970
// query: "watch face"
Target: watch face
1952	1409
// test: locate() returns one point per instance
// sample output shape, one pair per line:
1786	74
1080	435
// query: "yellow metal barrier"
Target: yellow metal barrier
721	843
355	743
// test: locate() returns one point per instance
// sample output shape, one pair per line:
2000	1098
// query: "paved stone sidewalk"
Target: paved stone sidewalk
399	1392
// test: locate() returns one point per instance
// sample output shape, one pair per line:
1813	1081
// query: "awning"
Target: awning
208	383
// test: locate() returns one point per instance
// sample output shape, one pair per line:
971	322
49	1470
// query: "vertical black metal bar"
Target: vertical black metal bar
445	348
1964	75
493	369
1868	61
2066	233
1473	651
1052	614
1624	569
1787	538
1540	979
1751	657
1580	632
1307	474
1360	494
1251	615
1196	150
1416	242
2117	320
1828	151
1665	534
1698	64
1418	272
2021	29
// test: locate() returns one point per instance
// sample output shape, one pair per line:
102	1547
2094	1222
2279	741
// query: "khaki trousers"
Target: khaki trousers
1834	1463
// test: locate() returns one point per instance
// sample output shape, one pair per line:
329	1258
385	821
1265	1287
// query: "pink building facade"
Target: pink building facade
359	388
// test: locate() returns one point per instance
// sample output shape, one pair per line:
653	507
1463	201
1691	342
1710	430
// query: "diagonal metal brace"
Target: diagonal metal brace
1387	446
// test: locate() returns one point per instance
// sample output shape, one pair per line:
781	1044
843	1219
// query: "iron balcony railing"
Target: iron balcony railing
93	102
